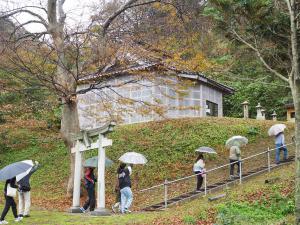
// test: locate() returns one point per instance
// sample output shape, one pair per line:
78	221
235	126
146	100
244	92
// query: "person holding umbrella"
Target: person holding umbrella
199	164
24	190
277	131
234	160
124	177
199	170
89	183
234	143
9	201
9	174
125	187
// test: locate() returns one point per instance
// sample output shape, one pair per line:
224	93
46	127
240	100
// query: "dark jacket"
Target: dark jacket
89	181
24	182
12	183
124	178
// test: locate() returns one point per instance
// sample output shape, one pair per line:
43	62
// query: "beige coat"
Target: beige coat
235	153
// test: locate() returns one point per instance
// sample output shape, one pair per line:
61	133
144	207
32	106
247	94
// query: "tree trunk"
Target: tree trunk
69	129
296	98
65	82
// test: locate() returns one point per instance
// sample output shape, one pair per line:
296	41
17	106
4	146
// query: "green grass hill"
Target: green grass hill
168	145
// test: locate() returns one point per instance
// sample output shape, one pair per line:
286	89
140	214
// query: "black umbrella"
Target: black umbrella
15	169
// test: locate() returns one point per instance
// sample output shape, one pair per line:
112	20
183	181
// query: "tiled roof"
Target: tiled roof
144	66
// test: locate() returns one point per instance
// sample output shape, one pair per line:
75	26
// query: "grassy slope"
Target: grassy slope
199	211
168	145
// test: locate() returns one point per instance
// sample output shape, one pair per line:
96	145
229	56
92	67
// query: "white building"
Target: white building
147	83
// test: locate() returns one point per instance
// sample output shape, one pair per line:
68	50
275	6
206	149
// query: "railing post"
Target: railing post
269	160
205	184
240	162
166	193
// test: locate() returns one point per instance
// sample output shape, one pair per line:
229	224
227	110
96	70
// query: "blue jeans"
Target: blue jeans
126	198
279	147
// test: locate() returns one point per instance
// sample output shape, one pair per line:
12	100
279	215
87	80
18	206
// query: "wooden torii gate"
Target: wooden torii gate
88	140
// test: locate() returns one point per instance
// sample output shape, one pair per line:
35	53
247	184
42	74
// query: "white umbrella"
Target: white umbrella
22	175
204	149
133	158
236	141
276	129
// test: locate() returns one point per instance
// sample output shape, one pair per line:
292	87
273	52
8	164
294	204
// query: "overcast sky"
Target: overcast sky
78	11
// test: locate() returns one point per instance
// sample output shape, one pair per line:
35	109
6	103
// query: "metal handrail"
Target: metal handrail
211	170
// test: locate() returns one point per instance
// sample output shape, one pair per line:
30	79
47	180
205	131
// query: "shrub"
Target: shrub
276	208
189	220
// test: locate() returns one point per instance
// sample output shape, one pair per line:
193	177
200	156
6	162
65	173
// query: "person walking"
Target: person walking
9	202
24	192
234	159
125	187
280	145
198	169
89	183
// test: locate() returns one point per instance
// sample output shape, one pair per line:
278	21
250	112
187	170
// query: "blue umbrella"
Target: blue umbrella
93	162
15	169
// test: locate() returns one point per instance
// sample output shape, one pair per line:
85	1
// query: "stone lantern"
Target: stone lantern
260	112
263	113
274	116
246	109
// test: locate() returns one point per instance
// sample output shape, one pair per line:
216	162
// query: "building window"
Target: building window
292	115
211	109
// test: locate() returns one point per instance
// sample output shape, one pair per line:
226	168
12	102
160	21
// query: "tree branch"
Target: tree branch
26	23
239	38
42	20
128	5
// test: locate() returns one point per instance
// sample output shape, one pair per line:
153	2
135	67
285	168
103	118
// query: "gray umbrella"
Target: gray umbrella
204	149
93	162
15	169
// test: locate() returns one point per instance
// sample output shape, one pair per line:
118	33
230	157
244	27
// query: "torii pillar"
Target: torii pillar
84	142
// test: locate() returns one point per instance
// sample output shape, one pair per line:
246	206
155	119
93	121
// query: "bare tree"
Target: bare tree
58	57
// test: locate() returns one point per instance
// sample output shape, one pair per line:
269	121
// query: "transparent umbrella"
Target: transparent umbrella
276	129
133	158
236	141
93	162
205	149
